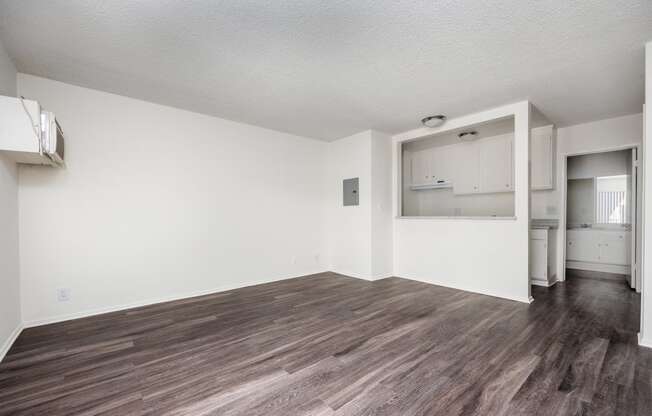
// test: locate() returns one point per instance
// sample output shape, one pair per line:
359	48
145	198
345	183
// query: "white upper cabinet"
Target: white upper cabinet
496	164
421	166
542	158
466	179
485	166
443	163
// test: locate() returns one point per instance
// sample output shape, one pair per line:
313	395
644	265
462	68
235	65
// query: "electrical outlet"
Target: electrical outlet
316	258
294	259
63	294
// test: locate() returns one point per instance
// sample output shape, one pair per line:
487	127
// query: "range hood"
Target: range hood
439	184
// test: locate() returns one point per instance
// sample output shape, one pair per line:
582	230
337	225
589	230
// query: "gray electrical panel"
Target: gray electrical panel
351	193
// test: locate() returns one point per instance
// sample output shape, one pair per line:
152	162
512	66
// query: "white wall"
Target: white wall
581	199
646	291
444	202
158	203
360	237
382	264
600	164
349	227
602	135
480	255
10	318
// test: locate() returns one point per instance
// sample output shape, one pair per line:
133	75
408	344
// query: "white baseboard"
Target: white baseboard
353	274
116	308
4	349
544	283
528	299
644	342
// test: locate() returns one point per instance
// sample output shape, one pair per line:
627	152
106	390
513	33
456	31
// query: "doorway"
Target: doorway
602	216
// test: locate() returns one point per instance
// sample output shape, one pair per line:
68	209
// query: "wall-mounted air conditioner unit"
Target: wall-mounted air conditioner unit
28	134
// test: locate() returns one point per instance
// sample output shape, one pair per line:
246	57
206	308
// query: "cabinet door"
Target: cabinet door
467	172
538	259
496	164
421	167
582	246
443	163
541	158
614	248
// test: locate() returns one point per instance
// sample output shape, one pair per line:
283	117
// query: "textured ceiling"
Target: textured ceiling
328	69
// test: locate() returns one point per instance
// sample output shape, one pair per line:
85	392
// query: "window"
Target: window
612	199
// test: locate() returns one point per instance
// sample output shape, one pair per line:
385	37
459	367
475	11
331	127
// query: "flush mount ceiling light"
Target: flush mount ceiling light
433	121
468	136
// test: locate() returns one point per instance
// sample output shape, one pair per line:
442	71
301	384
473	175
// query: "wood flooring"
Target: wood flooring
332	345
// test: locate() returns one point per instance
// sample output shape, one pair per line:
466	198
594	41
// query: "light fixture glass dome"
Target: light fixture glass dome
433	121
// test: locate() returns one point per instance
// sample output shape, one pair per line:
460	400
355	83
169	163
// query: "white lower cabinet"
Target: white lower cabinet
598	250
542	271
582	246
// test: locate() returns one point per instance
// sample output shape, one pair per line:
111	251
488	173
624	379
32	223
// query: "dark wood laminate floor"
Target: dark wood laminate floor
332	345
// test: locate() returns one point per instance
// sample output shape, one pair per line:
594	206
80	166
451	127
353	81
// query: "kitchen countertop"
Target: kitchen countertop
544	224
618	229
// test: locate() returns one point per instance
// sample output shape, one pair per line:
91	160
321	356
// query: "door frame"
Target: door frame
636	225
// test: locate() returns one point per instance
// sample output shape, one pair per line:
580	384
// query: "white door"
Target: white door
467	172
496	164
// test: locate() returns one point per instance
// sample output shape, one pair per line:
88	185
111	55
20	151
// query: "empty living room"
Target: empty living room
410	208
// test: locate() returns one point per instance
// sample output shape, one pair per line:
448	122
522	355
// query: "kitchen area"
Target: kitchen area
583	202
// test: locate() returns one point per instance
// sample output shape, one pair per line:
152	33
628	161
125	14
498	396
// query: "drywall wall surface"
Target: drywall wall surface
157	203
349	227
581	200
487	256
7	74
645	336
382	264
602	135
10	318
600	164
